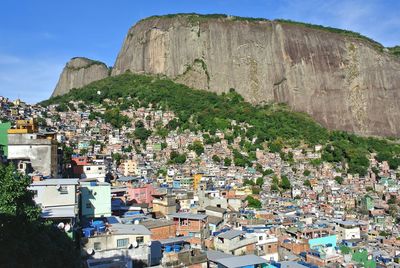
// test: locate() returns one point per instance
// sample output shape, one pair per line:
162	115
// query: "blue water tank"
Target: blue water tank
100	228
177	248
88	232
95	223
168	248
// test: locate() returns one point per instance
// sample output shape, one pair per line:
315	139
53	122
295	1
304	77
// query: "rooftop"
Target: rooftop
55	182
189	216
216	209
241	261
150	224
231	234
130	229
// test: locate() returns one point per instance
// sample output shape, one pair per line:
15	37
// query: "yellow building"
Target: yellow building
196	181
24	127
130	168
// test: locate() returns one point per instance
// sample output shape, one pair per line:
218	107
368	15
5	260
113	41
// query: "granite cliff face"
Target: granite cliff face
79	72
343	82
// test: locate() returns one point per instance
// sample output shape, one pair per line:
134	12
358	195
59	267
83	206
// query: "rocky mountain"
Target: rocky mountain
79	72
344	81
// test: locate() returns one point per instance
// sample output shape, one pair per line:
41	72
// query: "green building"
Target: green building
361	256
4	127
367	203
95	199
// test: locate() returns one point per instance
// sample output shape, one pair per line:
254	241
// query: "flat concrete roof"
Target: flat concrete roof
240	261
189	216
55	182
59	212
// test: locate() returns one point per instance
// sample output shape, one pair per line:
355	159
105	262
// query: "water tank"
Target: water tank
168	248
100	228
177	248
88	232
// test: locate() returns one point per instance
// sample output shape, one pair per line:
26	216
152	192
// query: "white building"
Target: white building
97	172
57	198
347	230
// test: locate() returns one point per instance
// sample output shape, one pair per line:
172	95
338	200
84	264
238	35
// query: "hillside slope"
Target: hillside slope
344	81
272	125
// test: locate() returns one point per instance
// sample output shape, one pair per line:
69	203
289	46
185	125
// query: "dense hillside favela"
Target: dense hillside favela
195	156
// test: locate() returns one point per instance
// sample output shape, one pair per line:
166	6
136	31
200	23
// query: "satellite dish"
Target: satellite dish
136	222
134	245
58	186
60	225
98	92
67	227
149	244
90	251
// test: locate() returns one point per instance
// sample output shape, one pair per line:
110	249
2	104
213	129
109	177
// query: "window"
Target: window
184	222
140	240
97	246
63	190
87	168
122	243
88	205
100	168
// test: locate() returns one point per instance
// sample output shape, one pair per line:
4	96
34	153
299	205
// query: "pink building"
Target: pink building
141	193
137	191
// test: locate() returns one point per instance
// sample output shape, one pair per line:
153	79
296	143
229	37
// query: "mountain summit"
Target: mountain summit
342	79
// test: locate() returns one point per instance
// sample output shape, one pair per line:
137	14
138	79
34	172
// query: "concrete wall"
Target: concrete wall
49	195
95	199
109	248
41	152
348	233
94	172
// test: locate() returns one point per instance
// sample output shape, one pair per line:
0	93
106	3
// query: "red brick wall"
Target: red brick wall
163	232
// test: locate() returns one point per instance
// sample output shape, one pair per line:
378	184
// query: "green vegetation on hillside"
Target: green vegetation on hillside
90	63
394	50
333	30
257	126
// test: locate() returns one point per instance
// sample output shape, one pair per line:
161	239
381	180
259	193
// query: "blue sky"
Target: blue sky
38	37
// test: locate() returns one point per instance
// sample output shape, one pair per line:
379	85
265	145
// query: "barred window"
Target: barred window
121	243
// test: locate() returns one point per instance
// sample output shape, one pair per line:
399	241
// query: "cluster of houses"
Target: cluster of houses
128	205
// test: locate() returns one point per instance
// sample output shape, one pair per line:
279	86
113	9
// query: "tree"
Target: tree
197	146
117	157
227	162
339	179
392	200
307	183
285	183
164	145
248	182
260	182
216	159
83	151
176	158
268	172
306	173
253	202
25	240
